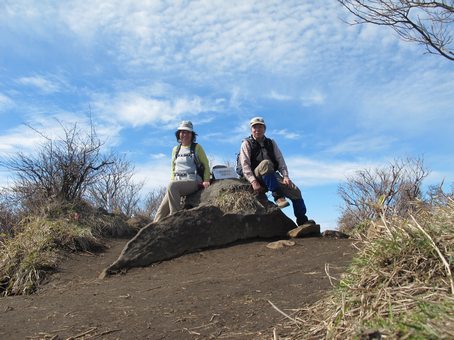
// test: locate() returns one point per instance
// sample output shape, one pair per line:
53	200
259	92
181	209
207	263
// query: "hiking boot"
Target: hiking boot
281	202
304	221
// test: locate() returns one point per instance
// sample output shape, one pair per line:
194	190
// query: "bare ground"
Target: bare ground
221	293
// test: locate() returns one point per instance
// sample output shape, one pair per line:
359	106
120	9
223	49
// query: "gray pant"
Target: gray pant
172	200
266	167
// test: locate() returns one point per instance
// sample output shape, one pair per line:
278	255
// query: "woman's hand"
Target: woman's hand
206	184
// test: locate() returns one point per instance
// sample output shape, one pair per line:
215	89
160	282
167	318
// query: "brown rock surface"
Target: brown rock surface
227	212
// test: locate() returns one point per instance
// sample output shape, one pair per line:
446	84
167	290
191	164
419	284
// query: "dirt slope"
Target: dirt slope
215	294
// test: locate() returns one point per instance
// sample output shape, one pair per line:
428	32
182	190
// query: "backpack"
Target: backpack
198	164
254	148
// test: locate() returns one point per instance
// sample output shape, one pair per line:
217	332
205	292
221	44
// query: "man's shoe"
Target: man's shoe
282	202
304	221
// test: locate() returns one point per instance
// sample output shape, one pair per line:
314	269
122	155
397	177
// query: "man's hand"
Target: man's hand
256	186
287	181
206	184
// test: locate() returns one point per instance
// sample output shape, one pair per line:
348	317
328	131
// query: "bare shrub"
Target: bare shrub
392	190
426	23
115	190
152	202
61	169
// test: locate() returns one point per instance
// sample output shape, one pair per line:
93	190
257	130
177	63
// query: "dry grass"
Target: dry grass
38	246
400	285
237	201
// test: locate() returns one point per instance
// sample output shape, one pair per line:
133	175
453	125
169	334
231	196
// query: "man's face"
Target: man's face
258	131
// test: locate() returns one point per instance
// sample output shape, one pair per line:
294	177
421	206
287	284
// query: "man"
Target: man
264	167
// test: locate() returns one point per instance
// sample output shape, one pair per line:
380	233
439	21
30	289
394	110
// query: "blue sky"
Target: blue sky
337	98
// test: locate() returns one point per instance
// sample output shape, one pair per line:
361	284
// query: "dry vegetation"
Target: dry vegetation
41	241
49	208
400	284
232	201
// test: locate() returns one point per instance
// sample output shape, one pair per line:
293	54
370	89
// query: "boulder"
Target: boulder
334	234
224	213
305	230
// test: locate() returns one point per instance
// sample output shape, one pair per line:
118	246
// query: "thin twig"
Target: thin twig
445	263
329	276
82	334
284	314
108	332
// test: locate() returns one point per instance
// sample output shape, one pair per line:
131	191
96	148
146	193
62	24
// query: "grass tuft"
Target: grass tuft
41	241
237	201
399	285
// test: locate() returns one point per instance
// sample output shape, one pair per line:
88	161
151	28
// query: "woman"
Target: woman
184	180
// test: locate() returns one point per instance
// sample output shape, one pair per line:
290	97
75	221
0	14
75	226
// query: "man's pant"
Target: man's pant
266	168
274	183
172	199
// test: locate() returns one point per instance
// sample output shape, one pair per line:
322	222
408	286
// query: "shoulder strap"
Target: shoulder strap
196	159
269	145
193	146
176	152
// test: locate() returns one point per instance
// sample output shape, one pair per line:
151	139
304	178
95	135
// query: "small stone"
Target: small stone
280	244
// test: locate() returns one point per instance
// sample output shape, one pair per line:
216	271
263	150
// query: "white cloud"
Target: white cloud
360	143
5	102
411	103
314	97
309	172
154	174
24	138
279	96
216	35
44	85
137	109
285	133
19	139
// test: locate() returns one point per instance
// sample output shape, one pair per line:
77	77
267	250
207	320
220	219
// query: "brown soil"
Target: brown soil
213	294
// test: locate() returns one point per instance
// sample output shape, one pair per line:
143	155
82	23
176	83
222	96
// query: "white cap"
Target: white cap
185	125
257	120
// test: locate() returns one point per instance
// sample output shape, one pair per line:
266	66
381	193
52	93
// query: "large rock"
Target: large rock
224	213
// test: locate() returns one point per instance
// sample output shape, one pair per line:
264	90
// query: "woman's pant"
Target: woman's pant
172	199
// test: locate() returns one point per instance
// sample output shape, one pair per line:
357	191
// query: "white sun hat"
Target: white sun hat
186	125
257	120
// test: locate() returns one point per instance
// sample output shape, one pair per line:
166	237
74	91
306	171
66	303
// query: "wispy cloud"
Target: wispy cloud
43	84
40	127
19	139
285	134
314	97
137	109
279	96
361	143
244	36
309	172
154	173
410	102
5	102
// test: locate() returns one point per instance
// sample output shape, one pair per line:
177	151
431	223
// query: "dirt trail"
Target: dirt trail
213	294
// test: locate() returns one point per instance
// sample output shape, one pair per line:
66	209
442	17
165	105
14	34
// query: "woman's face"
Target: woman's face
185	137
